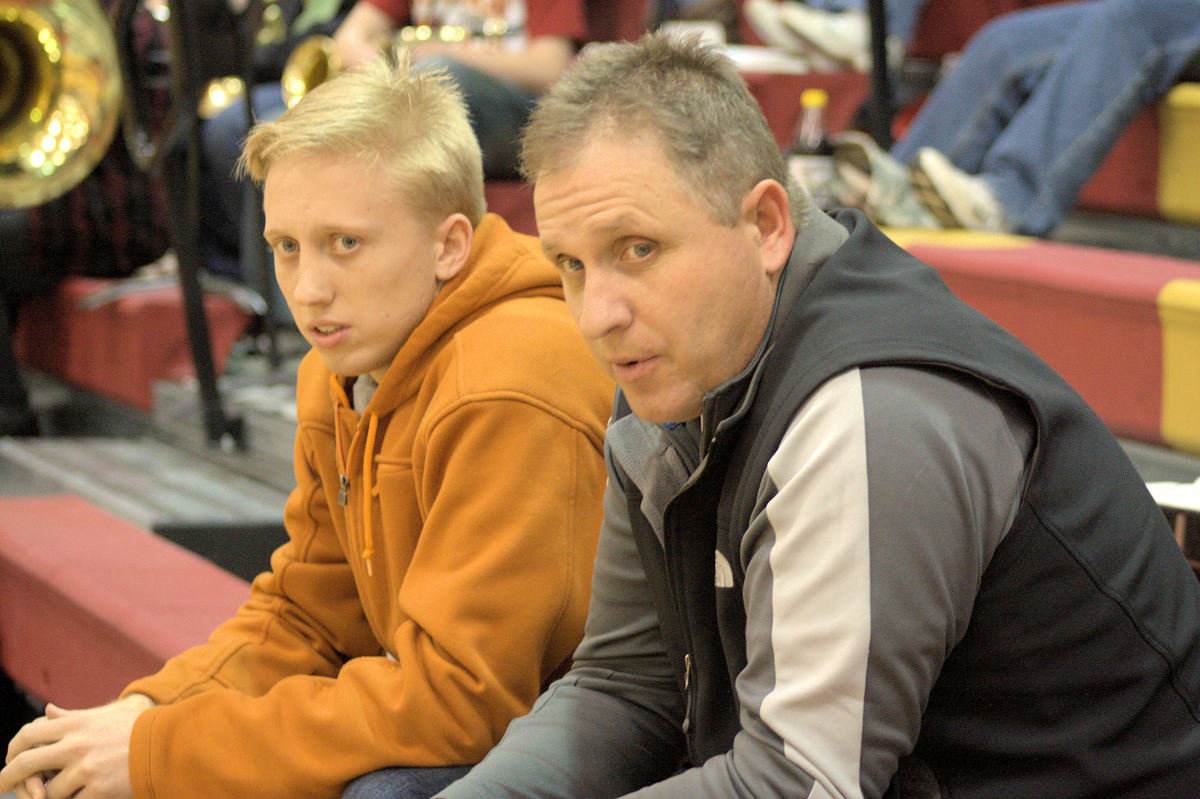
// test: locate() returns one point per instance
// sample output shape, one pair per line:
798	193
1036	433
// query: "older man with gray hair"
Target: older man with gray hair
858	541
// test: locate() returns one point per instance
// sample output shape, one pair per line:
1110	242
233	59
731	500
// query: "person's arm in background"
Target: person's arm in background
363	33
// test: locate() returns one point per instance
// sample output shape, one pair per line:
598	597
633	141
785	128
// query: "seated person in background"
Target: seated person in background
110	224
500	78
855	535
449	482
1010	135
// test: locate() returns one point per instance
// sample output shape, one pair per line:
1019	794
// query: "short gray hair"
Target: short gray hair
678	89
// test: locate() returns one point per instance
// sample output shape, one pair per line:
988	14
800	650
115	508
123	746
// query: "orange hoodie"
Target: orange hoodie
410	624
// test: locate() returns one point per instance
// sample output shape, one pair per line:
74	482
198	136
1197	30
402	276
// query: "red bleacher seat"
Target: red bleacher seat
120	348
1123	328
89	602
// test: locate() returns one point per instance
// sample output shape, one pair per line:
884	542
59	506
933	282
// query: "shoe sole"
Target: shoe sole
930	197
822	59
854	154
766	25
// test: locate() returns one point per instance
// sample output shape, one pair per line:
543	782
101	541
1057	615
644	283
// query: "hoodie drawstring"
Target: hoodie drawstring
370	491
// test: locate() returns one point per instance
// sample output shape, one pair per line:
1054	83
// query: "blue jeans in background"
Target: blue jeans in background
404	783
1038	97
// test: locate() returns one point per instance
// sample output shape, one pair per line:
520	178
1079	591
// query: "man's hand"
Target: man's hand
79	753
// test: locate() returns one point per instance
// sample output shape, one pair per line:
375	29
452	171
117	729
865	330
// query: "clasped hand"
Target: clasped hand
74	753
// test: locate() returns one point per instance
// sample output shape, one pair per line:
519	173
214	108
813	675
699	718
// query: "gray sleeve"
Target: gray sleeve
878	515
613	722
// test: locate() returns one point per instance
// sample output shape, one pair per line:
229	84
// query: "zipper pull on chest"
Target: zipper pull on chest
343	490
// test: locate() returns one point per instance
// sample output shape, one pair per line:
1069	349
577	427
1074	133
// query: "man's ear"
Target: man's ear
767	212
453	240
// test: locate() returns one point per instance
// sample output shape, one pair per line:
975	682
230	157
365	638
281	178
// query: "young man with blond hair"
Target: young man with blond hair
858	541
449	478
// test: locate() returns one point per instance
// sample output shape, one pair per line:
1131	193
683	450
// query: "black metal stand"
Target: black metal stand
881	110
252	253
207	41
181	171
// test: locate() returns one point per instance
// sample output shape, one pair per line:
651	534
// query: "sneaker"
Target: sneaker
870	179
764	18
957	199
842	37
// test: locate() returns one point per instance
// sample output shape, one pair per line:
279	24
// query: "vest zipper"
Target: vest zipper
687	693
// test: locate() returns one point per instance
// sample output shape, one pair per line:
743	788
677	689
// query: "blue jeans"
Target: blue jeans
403	783
1038	97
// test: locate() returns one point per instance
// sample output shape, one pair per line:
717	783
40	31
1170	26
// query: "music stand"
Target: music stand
881	110
198	53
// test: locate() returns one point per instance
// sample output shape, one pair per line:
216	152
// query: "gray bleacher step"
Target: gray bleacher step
1123	232
1158	464
198	503
268	415
143	480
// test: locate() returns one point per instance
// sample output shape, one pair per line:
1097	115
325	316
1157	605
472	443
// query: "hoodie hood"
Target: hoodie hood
513	267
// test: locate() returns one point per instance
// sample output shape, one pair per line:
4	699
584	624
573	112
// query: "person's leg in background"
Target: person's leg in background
403	783
993	77
963	116
1008	138
833	34
1117	58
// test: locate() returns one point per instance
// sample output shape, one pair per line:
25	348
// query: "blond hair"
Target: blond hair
677	89
409	121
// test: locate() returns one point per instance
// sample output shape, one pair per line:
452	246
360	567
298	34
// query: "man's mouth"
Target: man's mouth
625	370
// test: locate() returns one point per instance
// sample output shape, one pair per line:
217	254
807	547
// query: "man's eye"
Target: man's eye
566	264
285	246
641	249
347	242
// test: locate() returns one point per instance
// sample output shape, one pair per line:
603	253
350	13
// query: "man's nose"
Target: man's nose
313	286
602	306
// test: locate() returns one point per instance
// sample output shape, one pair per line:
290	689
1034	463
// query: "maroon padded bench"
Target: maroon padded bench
119	348
90	602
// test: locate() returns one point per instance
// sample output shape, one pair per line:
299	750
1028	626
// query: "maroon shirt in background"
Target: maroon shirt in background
543	17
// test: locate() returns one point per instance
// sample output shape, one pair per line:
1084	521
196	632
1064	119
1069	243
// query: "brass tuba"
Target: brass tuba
60	96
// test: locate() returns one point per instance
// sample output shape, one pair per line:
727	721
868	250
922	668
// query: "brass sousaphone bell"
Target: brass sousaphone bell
60	96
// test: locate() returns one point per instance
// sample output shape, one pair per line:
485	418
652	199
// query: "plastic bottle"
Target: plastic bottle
810	158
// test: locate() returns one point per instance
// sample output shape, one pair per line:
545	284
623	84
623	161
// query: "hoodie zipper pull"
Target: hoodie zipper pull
343	490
